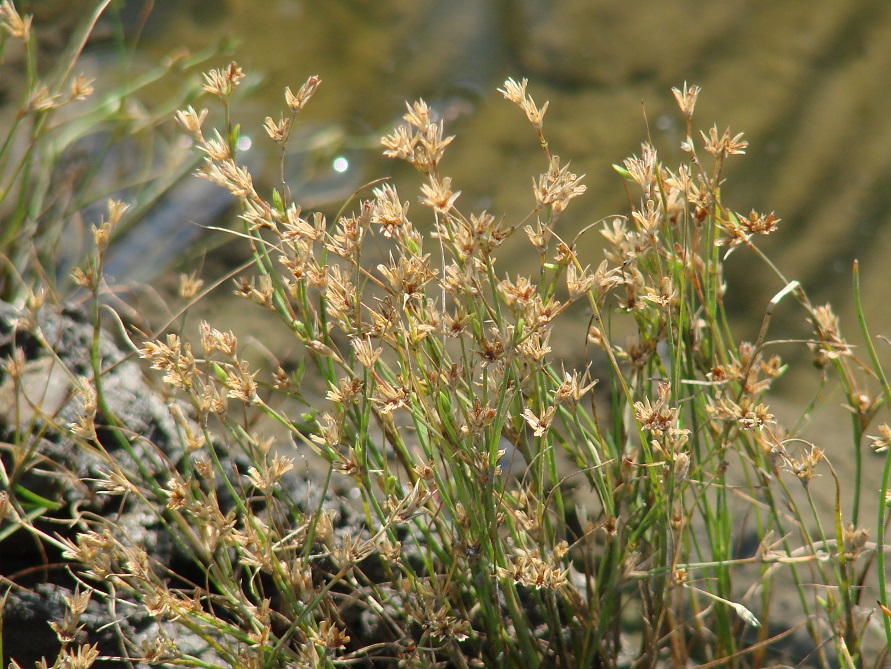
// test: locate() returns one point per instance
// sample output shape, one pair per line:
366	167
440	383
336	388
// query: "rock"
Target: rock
49	464
34	417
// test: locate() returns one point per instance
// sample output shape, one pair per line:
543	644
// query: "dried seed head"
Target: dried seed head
578	282
530	570
854	540
408	276
307	90
723	145
68	631
102	232
539	236
390	397
347	238
881	443
557	186
364	352
686	99
643	170
478	418
279	132
13	23
805	467
535	347
241	383
403	510
229	175
517	296
491	350
81	658
438	195
330	636
573	387
539	424
759	224
322	349
189	285
756	417
173	357
681	467
205	469
351	552
281	380
223	82
269	474
215	340
829	343
328	432
540	313
648	219
516	93
216	148
178	493
41	100
390	551
420	143
666	297
657	417
85	427
81	88
191	122
348	391
388	212
400	144
93	550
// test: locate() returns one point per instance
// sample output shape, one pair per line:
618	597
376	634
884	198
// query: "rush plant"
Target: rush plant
511	512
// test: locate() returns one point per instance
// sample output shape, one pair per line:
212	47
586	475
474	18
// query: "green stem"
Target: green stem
886	472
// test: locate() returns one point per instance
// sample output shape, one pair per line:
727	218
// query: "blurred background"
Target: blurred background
805	81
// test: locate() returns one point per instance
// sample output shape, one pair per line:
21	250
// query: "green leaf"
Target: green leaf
621	170
36	500
278	201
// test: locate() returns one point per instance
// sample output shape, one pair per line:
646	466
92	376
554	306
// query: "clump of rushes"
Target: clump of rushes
444	406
